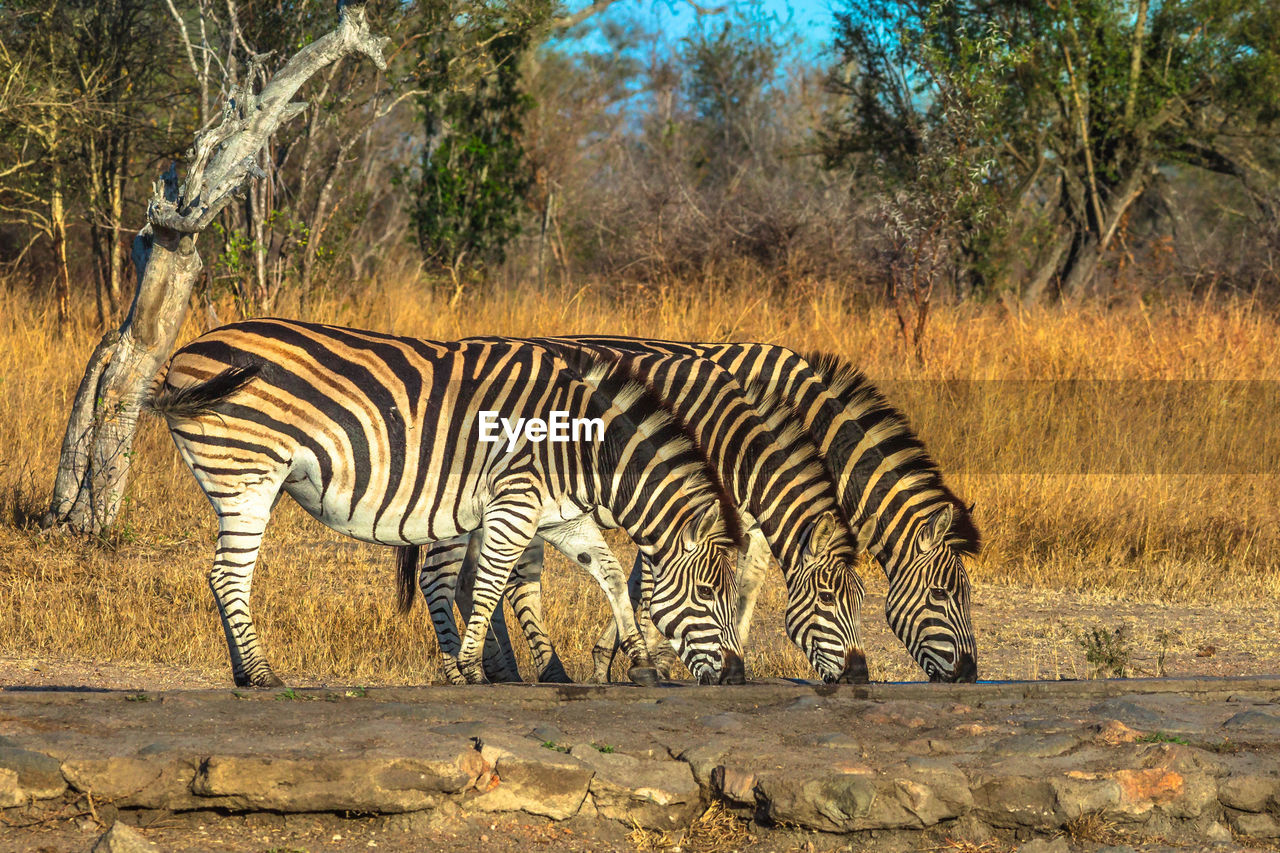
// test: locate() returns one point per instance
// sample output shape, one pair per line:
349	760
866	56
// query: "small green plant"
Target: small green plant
1107	652
356	692
239	694
289	694
1162	737
138	697
603	747
552	745
1226	746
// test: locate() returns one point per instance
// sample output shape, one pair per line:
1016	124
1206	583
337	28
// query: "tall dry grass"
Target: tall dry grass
324	605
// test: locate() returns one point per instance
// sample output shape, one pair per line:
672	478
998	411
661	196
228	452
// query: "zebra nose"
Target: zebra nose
855	668
731	669
966	668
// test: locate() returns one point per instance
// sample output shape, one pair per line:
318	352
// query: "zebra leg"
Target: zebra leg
664	656
581	541
509	522
524	591
240	532
437	578
499	660
753	563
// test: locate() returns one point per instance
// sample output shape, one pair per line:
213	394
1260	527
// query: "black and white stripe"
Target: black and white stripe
376	436
775	475
890	489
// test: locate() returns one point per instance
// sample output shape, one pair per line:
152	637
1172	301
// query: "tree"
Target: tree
1103	93
96	448
469	196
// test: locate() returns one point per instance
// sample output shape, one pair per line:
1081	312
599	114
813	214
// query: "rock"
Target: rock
1121	709
1043	845
39	775
830	804
1218	834
465	729
654	794
833	740
1114	732
380	785
1249	792
702	760
1036	746
722	722
1079	793
121	838
969	828
10	791
1016	801
1253	720
547	733
1256	825
533	779
734	784
149	783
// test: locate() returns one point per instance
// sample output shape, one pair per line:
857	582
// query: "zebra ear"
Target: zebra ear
699	530
865	533
820	534
934	531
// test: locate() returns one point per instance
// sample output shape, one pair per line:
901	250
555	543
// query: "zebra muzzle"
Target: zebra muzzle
855	668
731	669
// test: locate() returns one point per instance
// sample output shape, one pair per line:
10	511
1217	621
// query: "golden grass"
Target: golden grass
324	604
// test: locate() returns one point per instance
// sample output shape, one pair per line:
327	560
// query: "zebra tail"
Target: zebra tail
406	576
203	397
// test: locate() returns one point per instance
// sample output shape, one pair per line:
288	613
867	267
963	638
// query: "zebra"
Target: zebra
376	436
889	487
776	477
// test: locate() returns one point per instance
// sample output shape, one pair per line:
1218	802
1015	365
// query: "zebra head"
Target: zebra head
927	604
824	603
695	598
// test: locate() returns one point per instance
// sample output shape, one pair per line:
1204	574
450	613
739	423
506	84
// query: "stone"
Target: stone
833	740
1036	746
1080	793
969	828
122	838
1256	825
10	792
654	794
533	779
465	729
547	733
1016	801
1128	712
830	804
1114	732
150	783
703	760
734	784
1253	720
1045	845
1218	834
1249	792
379	785
722	722
39	775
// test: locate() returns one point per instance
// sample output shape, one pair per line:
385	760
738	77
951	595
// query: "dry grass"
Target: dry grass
324	604
716	830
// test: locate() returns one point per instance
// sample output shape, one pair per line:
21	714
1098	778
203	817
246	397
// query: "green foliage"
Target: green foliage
469	198
1107	652
1162	737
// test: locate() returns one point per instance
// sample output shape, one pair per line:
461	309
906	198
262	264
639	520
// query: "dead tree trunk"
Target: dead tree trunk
96	450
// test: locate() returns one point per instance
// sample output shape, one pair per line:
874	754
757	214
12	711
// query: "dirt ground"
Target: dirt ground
1022	635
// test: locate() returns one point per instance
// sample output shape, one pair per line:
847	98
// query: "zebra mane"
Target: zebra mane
648	411
790	435
852	387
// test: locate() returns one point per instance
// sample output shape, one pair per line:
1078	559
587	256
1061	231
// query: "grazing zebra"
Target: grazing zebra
377	437
776	477
890	489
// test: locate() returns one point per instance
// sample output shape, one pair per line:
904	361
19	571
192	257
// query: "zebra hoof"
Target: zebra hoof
261	681
554	675
645	676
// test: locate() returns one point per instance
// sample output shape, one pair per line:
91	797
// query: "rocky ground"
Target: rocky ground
1148	764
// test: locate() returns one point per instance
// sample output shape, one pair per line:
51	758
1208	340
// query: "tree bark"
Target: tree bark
97	446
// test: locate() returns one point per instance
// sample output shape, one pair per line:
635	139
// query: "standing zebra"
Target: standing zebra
775	476
889	488
377	437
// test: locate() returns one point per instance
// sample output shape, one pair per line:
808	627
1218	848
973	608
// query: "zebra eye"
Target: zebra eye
827	597
704	591
938	595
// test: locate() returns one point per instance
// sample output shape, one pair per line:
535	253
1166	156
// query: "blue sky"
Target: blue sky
809	21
